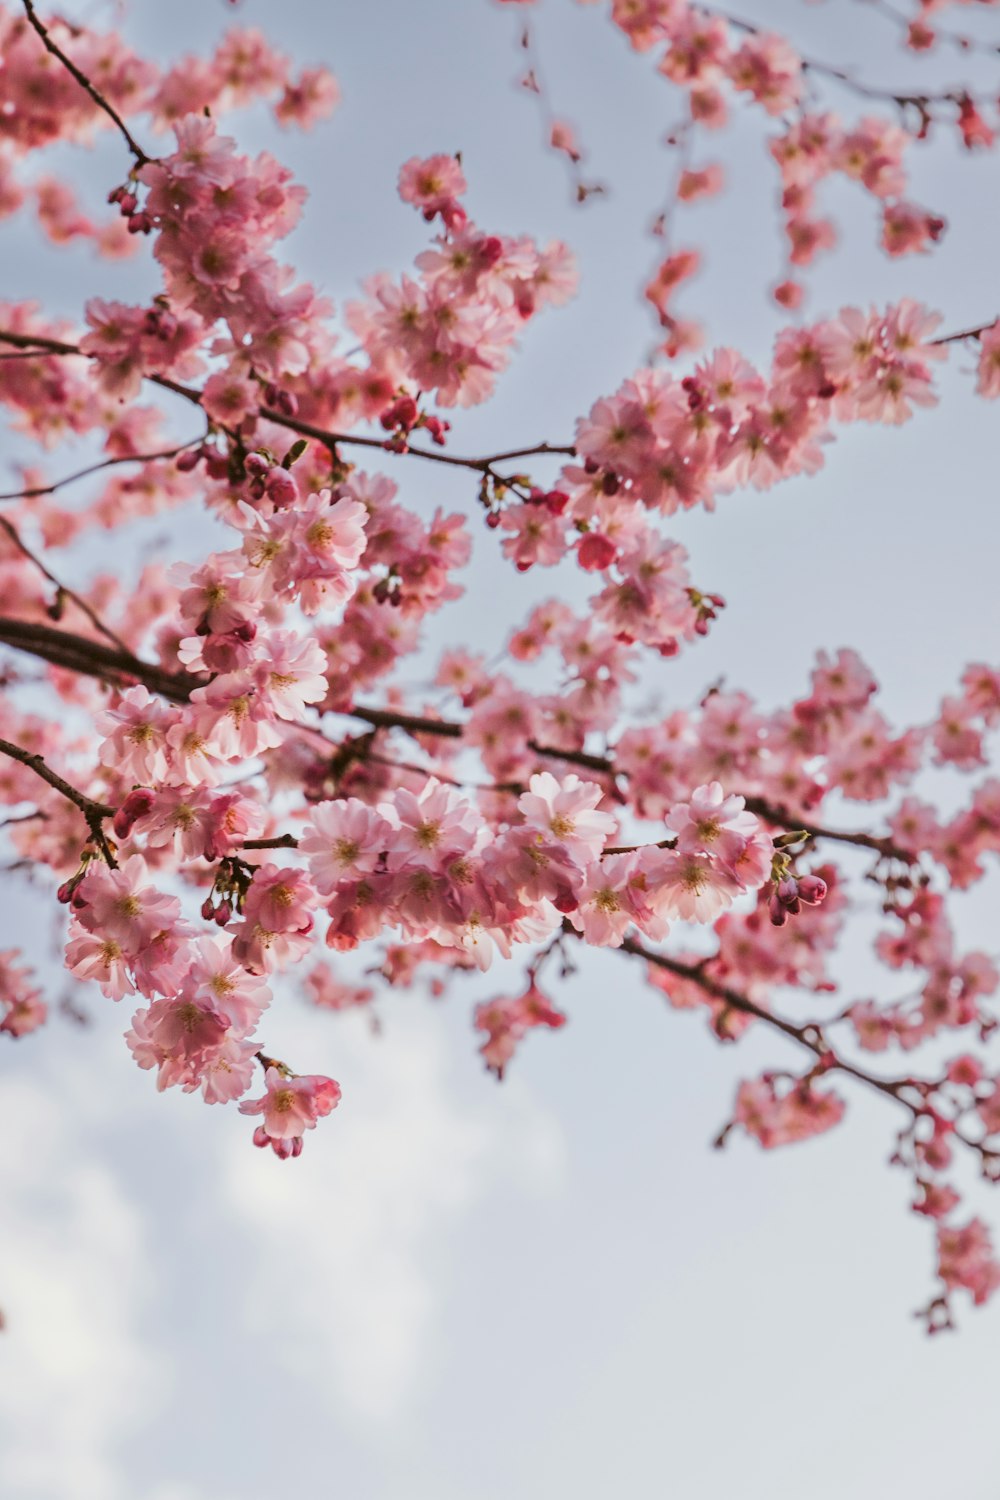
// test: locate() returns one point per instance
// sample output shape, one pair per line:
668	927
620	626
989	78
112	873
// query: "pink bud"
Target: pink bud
136	805
788	294
812	889
281	488
596	552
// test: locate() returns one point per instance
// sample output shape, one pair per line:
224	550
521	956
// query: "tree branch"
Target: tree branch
94	660
85	84
94	812
900	97
61	588
39	344
106	463
808	1035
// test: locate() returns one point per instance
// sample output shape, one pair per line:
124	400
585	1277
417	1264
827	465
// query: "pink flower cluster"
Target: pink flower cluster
290	1105
451	330
507	1021
198	726
777	1116
430	865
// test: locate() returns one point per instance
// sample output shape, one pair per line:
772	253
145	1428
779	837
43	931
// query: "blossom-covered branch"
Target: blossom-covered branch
232	831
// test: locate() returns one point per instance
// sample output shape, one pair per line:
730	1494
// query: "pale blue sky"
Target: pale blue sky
554	1287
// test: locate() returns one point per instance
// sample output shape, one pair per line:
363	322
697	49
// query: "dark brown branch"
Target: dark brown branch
94	812
95	660
106	463
92	659
61	589
965	333
85	84
900	97
808	1035
480	465
39	344
783	819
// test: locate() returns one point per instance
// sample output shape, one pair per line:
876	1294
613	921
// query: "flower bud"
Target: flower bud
217	465
596	552
136	805
281	488
812	889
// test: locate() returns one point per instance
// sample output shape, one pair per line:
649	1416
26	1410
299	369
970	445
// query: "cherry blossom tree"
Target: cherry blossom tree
222	763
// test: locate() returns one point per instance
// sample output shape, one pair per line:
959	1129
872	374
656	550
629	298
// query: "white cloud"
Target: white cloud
74	1377
351	1238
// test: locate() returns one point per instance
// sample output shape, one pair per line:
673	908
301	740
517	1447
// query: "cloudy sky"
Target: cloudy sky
554	1286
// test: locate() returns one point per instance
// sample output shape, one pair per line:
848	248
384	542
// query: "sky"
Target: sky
554	1286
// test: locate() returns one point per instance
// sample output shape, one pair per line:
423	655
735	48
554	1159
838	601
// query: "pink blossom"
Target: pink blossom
565	814
136	736
433	185
712	823
345	840
290	1106
425	826
217	980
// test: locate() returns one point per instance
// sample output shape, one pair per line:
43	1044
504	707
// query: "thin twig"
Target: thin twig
94	812
85	83
61	588
106	463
